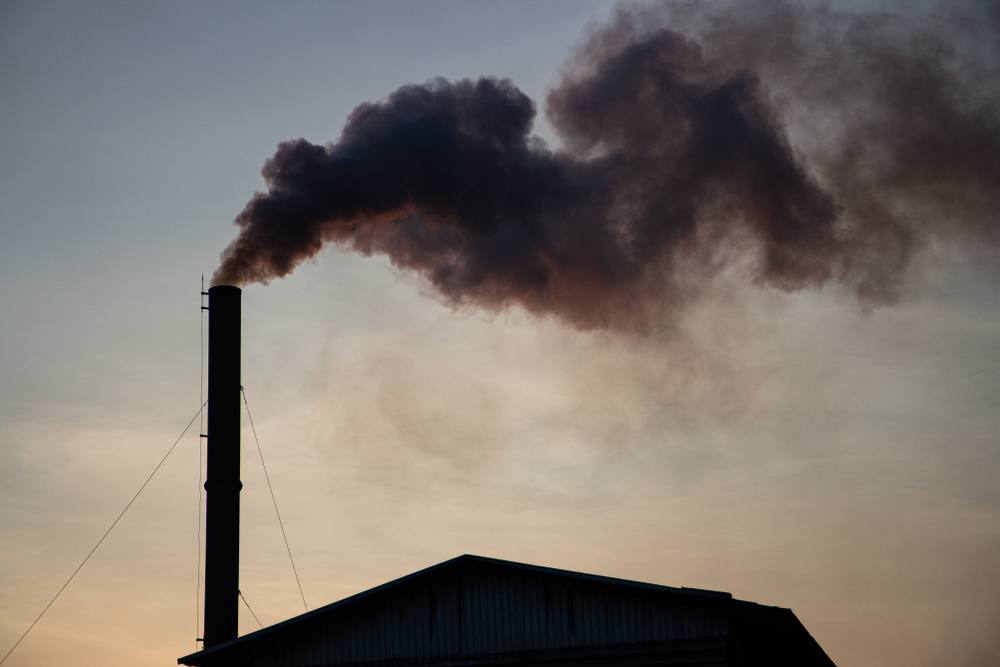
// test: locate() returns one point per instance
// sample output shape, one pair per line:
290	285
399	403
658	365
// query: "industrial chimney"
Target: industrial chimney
222	486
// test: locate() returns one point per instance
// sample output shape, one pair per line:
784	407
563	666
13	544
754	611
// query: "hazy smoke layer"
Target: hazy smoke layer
797	146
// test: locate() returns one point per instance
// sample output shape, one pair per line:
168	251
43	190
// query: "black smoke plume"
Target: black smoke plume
796	145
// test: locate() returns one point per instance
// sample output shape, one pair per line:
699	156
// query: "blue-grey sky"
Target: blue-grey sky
793	449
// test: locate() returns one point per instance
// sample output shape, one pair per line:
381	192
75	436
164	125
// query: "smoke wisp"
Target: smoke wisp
797	146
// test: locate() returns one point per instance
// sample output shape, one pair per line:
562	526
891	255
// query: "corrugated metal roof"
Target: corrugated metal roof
472	608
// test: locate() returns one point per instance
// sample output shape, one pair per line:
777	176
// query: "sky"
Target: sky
804	447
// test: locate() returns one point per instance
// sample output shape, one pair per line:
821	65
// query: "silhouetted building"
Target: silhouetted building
469	610
481	611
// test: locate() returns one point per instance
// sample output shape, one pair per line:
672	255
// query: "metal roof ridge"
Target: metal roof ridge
321	610
599	577
540	569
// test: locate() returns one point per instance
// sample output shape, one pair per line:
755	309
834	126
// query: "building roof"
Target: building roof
476	610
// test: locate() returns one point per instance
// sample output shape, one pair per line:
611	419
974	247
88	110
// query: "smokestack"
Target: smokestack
222	530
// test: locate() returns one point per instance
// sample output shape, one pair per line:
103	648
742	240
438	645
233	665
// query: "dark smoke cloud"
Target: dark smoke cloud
796	145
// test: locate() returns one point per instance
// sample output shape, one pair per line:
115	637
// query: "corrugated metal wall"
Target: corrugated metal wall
492	612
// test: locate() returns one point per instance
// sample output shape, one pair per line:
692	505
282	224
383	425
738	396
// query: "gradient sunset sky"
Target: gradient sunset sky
802	449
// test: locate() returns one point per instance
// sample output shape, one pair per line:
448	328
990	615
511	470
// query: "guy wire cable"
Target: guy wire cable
106	533
268	478
249	609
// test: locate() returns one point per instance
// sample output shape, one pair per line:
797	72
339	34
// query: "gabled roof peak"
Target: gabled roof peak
552	571
463	563
478	606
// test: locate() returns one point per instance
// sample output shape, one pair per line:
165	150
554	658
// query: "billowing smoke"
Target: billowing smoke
795	146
